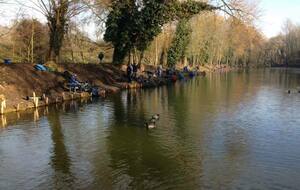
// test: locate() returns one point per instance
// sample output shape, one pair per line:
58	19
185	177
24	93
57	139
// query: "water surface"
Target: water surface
238	130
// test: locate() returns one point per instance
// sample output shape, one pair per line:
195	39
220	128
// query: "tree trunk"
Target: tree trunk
156	52
82	56
32	40
72	55
57	23
119	55
13	51
28	54
141	58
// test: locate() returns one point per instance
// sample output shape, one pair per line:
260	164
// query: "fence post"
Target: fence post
35	100
47	101
63	96
2	104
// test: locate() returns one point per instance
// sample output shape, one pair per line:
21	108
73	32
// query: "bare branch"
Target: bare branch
12	27
244	10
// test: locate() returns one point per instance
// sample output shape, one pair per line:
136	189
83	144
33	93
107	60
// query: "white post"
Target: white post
35	100
47	101
2	105
63	96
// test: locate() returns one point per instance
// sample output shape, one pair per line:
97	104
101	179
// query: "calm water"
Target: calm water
239	130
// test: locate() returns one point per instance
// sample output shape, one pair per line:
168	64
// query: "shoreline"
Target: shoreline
107	77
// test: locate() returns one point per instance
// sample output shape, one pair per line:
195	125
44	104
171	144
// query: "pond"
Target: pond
237	130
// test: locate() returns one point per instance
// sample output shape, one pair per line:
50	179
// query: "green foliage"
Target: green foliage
134	25
180	42
204	52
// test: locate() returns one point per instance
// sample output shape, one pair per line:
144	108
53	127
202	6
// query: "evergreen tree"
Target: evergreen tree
134	24
180	42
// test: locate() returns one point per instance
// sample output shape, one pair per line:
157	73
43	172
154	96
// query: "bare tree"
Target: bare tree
58	14
99	10
245	10
29	40
2	14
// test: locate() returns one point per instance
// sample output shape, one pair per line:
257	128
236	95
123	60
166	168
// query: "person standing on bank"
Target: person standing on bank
159	70
129	72
101	56
134	69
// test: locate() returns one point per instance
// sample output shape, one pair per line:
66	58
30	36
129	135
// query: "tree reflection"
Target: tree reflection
60	159
138	159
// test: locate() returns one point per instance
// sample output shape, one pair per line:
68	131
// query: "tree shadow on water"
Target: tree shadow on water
60	159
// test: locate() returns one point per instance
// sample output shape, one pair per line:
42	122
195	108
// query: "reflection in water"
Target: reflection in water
235	130
137	158
60	160
3	121
46	110
36	115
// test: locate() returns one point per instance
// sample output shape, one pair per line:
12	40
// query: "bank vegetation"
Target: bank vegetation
213	34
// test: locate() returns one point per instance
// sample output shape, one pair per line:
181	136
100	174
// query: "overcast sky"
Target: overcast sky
274	13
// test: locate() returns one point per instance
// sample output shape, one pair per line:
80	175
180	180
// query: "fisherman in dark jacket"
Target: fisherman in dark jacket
129	72
134	70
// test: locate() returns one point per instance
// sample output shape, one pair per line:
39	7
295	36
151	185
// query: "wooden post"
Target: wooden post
35	100
72	96
2	104
64	107
2	107
44	97
47	101
18	107
63	96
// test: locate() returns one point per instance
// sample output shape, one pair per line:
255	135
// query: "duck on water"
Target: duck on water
152	122
150	125
156	117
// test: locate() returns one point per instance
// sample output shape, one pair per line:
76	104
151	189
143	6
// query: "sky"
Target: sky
274	13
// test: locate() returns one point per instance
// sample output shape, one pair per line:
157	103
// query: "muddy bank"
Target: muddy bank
18	81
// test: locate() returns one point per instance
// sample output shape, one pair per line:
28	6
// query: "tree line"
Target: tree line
144	31
283	49
28	42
